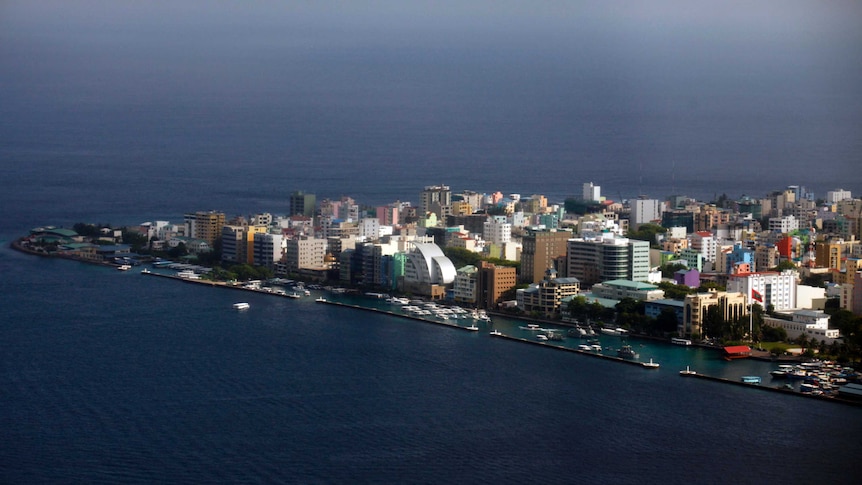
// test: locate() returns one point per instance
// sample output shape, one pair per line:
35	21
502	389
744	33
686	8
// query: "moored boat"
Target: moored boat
680	341
687	372
651	364
627	352
750	379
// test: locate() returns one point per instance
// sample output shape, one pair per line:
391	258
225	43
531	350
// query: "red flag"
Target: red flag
755	295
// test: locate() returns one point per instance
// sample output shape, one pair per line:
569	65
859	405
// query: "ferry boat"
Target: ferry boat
241	306
680	341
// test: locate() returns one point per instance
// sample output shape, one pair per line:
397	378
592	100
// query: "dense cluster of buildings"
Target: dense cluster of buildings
582	251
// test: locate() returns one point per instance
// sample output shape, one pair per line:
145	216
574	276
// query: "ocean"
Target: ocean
123	113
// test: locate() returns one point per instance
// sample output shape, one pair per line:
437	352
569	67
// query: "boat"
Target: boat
496	333
577	332
531	327
320	299
472	328
124	267
615	332
651	364
145	271
293	295
627	352
750	379
687	372
585	347
680	341
241	306
596	347
542	337
778	374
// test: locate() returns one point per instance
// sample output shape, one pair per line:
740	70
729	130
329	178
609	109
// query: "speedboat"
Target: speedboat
496	333
241	306
320	299
542	337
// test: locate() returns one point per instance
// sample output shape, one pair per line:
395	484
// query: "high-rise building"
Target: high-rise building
206	225
766	288
644	211
611	258
592	192
436	199
491	282
540	250
302	204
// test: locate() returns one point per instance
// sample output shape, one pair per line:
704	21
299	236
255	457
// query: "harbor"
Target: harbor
704	363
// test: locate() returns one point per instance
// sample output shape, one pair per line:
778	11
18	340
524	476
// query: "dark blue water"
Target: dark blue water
123	113
117	377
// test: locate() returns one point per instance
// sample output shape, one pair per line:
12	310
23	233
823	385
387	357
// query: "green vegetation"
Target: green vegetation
784	265
461	257
674	291
647	232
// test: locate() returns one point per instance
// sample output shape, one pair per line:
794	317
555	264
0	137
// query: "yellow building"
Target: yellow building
732	306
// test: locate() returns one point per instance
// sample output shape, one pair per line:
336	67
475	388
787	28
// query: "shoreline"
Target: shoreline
218	284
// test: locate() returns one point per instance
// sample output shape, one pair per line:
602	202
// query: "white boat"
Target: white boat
615	332
542	337
596	347
585	347
687	372
320	299
651	364
293	295
241	306
627	352
473	328
124	267
496	333
680	341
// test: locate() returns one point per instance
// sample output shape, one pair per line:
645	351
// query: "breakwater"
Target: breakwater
781	390
577	351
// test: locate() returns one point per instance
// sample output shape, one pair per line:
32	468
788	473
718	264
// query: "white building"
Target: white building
837	195
592	192
465	285
704	243
369	228
644	211
783	225
776	289
814	324
305	253
497	231
426	264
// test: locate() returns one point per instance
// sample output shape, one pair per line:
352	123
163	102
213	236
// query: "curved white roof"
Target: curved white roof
437	263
